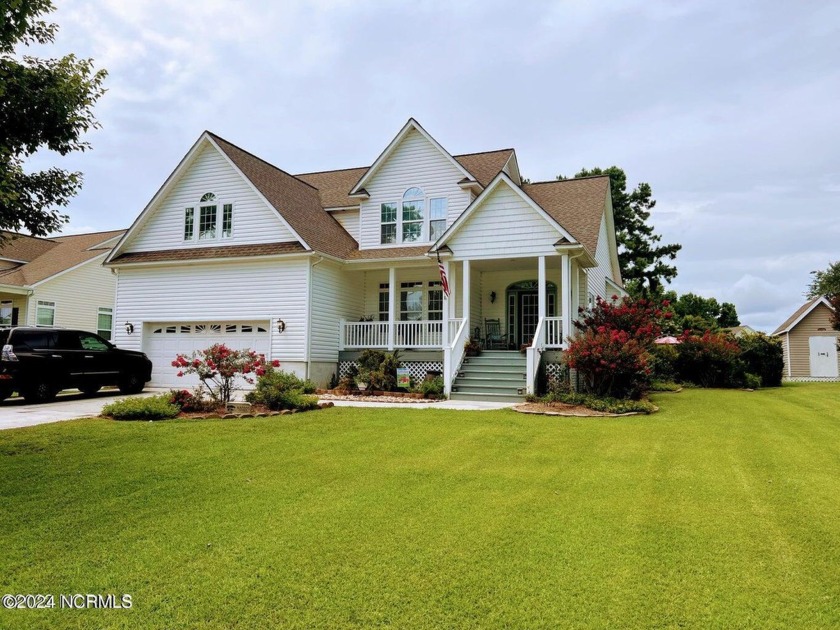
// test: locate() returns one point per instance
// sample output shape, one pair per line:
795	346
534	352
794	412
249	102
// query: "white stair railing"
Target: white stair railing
553	332
532	356
453	354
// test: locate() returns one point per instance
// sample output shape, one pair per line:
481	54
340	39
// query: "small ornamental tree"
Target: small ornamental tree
613	352
218	367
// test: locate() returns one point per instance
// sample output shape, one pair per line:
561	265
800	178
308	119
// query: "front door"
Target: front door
523	314
823	356
528	317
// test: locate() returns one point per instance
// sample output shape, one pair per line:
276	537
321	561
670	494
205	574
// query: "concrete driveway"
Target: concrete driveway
70	404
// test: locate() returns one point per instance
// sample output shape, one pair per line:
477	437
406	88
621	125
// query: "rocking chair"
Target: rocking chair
493	337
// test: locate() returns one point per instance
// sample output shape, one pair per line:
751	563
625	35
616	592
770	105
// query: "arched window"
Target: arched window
412	215
210	215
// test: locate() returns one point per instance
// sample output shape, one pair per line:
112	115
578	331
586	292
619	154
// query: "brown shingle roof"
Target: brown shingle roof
67	252
23	247
200	253
484	166
296	201
388	252
796	315
333	186
576	204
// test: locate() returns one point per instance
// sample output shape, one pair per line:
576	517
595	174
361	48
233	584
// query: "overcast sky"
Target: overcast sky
728	109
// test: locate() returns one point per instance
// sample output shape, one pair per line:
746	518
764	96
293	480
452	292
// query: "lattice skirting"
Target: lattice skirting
811	379
417	369
554	372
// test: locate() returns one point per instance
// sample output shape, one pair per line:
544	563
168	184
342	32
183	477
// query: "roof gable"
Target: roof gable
68	252
411	125
801	313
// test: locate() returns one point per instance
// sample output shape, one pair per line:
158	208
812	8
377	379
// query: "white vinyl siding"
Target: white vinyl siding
349	220
505	225
415	162
336	294
77	295
253	220
217	292
598	275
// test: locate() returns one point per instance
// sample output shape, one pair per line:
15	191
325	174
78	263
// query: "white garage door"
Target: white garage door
163	341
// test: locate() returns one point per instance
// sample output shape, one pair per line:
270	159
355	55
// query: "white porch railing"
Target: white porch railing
453	353
554	332
549	334
410	334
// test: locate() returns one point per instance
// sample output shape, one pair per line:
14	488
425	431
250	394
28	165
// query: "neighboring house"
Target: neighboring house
310	269
740	331
58	281
810	343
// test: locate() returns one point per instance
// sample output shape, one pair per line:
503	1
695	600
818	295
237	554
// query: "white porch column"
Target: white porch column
566	295
392	306
465	300
453	310
541	300
447	307
576	291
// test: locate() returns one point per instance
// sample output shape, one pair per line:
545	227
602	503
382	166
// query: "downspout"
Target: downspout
309	314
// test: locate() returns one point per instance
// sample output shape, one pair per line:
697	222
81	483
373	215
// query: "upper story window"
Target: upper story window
408	221
215	219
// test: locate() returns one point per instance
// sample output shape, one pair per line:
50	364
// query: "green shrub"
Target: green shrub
431	387
661	361
379	370
606	405
752	381
151	408
283	390
762	356
665	386
191	400
708	360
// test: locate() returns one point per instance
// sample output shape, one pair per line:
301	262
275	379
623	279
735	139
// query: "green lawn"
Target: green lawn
722	510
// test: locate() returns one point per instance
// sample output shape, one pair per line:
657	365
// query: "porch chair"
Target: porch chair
493	337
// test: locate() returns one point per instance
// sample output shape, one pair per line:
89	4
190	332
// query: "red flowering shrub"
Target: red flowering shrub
218	367
638	317
613	352
611	362
708	360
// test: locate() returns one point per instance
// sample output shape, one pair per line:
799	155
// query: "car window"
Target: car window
92	342
36	339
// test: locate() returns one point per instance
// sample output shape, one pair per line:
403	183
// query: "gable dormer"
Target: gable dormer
413	191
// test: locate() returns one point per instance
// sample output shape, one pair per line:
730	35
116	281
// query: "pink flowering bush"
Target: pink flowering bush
218	367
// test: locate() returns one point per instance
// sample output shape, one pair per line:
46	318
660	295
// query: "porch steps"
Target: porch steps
495	375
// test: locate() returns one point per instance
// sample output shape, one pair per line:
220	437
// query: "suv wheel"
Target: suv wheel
131	384
5	392
90	389
40	393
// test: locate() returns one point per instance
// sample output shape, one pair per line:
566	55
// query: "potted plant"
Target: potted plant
472	347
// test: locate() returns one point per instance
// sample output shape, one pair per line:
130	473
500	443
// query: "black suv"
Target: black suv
40	362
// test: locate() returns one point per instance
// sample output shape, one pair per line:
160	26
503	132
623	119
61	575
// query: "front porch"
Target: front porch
532	299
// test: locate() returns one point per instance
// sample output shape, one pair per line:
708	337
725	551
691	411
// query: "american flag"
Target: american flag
444	281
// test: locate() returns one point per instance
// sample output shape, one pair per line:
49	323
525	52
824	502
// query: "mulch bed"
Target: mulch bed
562	409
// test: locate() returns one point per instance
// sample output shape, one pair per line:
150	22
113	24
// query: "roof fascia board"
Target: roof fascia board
15	289
411	124
174	176
100	257
501	177
257	192
514	167
613	243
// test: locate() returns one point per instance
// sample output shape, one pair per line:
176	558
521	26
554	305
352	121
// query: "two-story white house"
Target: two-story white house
312	268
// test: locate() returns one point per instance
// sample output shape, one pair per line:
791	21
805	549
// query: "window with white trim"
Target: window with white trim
411	301
435	301
383	302
6	310
211	215
45	313
437	217
408	222
105	322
